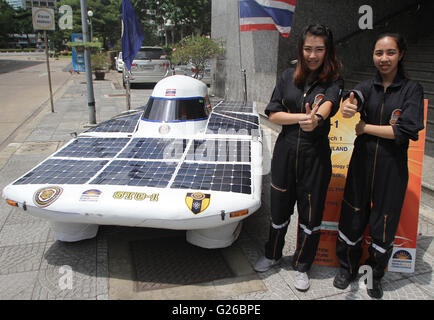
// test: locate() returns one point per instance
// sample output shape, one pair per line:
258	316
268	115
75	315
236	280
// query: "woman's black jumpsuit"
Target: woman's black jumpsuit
300	169
378	173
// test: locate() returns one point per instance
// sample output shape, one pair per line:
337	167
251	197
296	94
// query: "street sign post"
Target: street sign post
43	19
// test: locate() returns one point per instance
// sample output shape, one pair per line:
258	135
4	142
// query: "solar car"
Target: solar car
176	163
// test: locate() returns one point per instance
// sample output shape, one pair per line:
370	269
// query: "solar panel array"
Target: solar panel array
58	171
215	177
126	124
137	173
155	148
212	163
84	147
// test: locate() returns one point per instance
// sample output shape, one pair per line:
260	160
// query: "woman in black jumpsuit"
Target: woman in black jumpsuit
303	101
391	111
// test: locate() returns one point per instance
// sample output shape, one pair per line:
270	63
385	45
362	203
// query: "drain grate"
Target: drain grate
170	262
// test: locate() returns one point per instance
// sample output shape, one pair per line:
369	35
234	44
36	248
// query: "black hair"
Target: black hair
402	47
330	70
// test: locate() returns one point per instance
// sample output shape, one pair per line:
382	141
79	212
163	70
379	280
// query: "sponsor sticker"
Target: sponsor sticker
91	195
402	260
197	201
47	195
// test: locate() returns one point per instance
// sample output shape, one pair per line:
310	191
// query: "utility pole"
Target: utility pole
87	62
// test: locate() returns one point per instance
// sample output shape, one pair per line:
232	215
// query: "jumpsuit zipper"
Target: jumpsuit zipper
349	261
275	243
376	148
298	141
384	230
350	205
299	129
301	251
310	207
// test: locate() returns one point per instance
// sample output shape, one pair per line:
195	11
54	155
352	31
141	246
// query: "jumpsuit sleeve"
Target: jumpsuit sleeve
411	120
275	104
334	95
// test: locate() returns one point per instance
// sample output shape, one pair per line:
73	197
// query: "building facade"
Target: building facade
16	4
40	3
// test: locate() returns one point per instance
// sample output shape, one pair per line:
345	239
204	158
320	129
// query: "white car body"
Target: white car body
119	63
192	169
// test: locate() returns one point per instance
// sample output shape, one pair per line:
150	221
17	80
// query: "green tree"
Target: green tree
197	50
7	22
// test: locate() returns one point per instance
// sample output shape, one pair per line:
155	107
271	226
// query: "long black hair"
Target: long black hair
402	47
330	70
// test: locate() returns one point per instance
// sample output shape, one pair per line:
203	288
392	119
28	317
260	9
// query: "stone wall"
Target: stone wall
265	54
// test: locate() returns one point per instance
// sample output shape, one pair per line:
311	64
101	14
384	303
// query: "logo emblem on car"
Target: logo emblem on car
46	196
197	201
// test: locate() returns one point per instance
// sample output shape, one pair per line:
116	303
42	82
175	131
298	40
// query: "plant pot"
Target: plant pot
99	75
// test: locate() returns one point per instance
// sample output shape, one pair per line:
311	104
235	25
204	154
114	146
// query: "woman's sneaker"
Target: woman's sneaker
301	281
263	264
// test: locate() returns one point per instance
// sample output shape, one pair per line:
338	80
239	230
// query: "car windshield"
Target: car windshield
149	53
159	109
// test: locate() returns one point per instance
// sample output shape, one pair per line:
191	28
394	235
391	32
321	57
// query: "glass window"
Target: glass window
176	109
149	53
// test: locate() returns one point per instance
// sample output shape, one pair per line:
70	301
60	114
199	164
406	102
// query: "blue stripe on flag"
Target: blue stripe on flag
252	9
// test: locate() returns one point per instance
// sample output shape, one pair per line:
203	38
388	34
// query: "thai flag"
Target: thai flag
267	15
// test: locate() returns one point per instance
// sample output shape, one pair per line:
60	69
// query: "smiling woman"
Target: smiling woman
303	101
391	113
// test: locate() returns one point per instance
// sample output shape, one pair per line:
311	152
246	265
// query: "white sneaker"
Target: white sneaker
301	281
263	264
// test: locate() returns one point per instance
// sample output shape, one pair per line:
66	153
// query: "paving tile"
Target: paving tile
17	286
425	282
27	233
18	216
68	271
21	258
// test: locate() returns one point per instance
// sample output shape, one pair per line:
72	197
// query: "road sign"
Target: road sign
78	55
43	19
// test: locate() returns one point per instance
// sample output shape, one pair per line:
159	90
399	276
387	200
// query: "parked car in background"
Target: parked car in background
190	70
119	62
149	66
204	76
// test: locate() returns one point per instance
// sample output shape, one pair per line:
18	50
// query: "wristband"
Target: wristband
320	119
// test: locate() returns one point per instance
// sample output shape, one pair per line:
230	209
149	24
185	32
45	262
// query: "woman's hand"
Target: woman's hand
360	128
309	121
349	106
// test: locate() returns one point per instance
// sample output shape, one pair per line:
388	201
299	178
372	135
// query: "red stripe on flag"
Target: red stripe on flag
257	27
291	2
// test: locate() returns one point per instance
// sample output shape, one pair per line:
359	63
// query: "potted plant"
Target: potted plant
100	63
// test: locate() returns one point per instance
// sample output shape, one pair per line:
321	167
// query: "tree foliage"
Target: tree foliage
158	18
197	50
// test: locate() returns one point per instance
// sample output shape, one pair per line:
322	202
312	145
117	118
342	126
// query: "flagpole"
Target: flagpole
87	62
243	71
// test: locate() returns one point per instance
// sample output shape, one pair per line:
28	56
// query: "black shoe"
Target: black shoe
377	291
341	281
